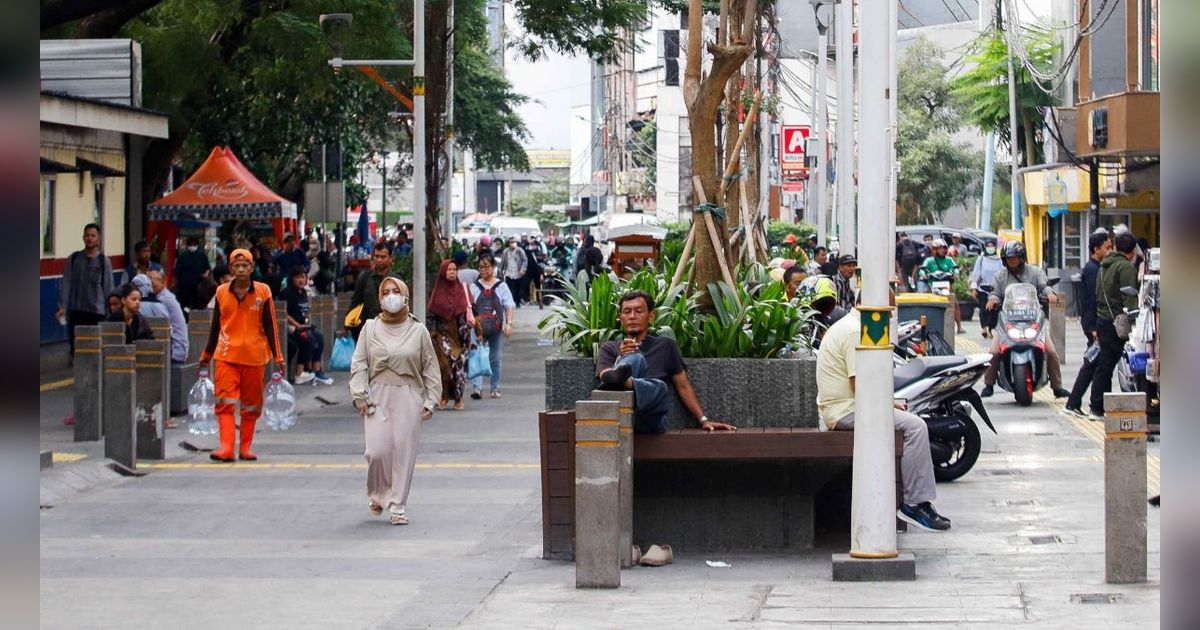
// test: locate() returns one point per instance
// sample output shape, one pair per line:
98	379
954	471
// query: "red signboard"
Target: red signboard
793	186
791	146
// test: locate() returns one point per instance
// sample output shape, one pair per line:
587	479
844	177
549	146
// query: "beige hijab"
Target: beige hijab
393	318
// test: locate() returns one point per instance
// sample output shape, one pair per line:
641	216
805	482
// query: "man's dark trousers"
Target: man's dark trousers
650	396
1083	381
1111	347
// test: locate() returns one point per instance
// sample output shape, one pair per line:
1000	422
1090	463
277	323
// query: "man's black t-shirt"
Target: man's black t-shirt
662	358
297	303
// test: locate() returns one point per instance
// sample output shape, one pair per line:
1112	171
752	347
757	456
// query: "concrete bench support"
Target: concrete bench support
597	495
89	370
1125	488
120	394
199	324
321	316
153	397
625	468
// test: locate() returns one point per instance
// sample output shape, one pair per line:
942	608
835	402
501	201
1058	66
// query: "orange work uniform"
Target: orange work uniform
244	338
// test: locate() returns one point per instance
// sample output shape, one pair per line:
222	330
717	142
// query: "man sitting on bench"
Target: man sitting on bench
651	367
835	403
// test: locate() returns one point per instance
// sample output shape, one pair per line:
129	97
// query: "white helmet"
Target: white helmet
937	242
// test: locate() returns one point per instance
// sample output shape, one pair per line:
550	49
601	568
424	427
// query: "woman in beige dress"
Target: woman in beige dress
395	383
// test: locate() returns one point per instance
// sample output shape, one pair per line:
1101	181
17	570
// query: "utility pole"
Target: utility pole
1013	132
819	128
847	230
873	552
989	173
448	209
419	192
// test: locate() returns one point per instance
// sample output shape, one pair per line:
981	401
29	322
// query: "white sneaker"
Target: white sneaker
305	377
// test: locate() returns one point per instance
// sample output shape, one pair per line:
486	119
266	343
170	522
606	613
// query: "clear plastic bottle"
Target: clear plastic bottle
202	406
279	404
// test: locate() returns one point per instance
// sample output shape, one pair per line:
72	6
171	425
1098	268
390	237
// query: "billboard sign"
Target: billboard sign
792	140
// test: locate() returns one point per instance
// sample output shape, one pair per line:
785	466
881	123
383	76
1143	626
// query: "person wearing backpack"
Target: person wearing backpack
494	312
908	256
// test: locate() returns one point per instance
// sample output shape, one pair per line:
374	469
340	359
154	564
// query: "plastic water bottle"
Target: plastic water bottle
279	404
202	406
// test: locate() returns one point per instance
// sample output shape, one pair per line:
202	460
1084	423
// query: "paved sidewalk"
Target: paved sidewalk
288	542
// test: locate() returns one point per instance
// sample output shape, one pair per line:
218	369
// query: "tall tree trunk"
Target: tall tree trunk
702	98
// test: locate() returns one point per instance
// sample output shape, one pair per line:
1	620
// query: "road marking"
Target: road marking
62	458
300	465
53	385
1092	430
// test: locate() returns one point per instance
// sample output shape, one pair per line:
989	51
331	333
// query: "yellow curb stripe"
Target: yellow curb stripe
53	385
597	423
68	457
301	466
596	443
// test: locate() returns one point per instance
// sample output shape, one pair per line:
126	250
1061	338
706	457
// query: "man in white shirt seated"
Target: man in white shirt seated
835	404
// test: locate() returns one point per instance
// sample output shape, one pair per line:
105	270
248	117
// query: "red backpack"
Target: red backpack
489	312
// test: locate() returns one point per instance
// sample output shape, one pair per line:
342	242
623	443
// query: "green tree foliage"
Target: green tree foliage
983	88
936	171
553	191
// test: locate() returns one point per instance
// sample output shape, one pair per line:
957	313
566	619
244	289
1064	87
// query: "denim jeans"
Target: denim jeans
650	396
496	349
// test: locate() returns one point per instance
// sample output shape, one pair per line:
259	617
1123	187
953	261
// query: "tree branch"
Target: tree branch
105	24
691	76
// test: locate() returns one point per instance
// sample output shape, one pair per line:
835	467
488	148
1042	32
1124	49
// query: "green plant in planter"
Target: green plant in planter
962	282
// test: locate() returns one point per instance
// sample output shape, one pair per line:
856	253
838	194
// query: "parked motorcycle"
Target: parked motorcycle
1137	371
940	283
1022	329
941	390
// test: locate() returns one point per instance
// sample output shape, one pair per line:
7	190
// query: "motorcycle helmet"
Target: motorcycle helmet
937	242
1013	248
815	288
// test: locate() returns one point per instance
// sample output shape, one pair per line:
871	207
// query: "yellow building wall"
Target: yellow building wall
75	203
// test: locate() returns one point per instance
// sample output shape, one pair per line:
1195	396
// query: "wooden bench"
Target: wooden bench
759	488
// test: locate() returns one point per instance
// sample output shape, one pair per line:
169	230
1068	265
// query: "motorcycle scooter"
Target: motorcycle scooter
1022	329
941	390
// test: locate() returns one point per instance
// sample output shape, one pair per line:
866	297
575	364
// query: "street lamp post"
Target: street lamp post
419	192
820	113
847	230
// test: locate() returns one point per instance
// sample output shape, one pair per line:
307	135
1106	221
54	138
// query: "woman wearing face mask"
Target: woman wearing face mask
394	382
986	266
449	321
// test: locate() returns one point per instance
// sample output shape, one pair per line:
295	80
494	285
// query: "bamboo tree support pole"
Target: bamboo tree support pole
683	257
711	225
751	225
732	167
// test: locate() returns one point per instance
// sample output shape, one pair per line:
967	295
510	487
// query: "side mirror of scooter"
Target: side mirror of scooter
1129	291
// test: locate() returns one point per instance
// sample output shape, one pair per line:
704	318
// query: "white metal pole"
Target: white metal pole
448	209
873	508
847	232
822	115
893	125
419	201
989	174
1010	38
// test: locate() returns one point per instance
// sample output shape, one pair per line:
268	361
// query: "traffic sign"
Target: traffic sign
792	140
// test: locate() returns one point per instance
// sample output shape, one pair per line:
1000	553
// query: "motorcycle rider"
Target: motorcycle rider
1016	270
939	261
986	266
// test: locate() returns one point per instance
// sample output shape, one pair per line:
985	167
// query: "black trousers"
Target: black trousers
1111	347
1083	381
514	287
987	319
80	318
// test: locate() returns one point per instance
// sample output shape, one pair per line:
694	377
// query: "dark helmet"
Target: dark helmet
1014	248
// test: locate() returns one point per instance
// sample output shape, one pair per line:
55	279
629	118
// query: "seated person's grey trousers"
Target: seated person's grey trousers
916	464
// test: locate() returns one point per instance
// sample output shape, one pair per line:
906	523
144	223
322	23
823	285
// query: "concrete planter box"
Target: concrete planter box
744	392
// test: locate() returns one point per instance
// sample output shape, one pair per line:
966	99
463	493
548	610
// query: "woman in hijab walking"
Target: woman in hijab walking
394	382
449	320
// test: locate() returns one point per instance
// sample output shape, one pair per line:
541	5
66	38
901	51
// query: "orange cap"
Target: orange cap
240	254
790	239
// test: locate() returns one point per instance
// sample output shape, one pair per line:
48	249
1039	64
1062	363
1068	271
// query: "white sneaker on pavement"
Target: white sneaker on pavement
305	377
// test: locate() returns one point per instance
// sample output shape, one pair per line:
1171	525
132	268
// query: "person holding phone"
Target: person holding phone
651	367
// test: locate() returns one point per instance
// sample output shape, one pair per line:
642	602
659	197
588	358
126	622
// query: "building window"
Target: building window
98	203
48	200
1073	241
1052	242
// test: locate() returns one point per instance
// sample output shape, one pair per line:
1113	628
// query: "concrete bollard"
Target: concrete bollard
1124	488
89	375
120	394
199	324
322	317
112	334
597	495
281	324
625	470
162	332
1058	329
153	397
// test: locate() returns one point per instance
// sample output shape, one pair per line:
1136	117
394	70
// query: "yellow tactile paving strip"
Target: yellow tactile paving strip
1092	430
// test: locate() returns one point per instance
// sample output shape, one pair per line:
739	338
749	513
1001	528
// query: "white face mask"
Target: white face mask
393	302
990	250
191	248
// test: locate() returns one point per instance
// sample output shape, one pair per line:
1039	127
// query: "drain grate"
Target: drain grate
1096	598
1011	503
1048	539
1044	434
1001	472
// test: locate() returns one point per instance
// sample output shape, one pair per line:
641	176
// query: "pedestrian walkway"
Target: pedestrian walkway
288	542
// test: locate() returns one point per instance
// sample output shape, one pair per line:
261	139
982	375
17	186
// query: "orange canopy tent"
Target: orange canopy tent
222	189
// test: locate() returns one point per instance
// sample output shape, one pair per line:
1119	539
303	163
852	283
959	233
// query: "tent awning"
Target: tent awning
222	189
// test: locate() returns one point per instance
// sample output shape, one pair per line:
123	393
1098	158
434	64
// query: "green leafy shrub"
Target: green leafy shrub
778	230
962	282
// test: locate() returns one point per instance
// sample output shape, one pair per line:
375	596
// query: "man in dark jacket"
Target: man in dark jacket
190	265
366	288
1116	272
1098	247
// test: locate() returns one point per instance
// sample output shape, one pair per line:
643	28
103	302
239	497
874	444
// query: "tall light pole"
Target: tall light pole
821	114
418	65
448	217
847	232
873	502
